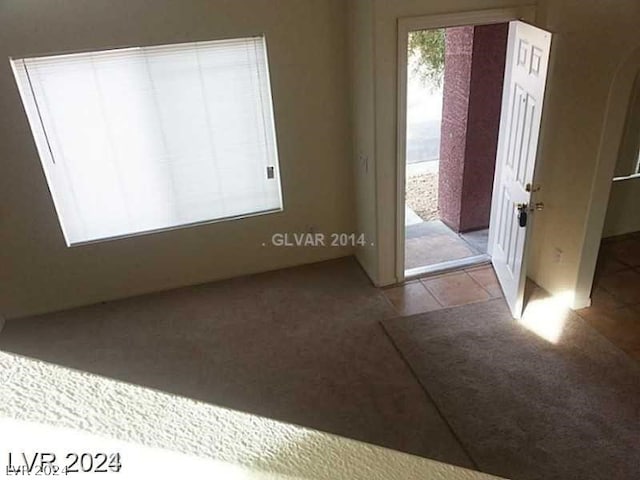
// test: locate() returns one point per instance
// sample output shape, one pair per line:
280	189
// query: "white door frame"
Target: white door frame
427	22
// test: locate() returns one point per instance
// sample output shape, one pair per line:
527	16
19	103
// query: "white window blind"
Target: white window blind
140	139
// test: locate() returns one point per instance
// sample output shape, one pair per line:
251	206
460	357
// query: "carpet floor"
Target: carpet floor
302	345
523	407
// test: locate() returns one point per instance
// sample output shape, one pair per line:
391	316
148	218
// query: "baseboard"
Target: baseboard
579	303
365	268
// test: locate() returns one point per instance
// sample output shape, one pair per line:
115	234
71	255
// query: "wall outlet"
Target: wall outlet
364	162
557	255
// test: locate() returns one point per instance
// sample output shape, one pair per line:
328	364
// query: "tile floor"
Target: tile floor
615	300
432	242
615	308
474	284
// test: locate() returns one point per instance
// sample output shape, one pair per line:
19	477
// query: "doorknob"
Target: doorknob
525	207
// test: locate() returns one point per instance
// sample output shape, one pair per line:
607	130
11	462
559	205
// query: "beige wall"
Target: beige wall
308	62
591	41
361	54
623	213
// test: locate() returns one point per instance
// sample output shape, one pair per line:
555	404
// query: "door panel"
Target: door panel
523	94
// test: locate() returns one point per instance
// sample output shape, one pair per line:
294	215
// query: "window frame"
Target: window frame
630	140
46	157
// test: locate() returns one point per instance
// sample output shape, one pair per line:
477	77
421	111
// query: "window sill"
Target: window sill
629	177
176	227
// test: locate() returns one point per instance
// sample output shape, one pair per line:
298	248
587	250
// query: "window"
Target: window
141	139
628	163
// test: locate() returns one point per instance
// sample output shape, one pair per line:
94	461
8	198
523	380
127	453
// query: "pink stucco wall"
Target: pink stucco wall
473	77
453	130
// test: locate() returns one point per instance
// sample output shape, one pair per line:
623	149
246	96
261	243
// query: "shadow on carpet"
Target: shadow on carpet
523	407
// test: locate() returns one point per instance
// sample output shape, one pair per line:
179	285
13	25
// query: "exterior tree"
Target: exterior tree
426	54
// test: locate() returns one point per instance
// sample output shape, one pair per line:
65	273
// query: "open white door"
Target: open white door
511	209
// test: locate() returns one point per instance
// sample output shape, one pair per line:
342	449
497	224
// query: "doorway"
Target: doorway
454	95
488	142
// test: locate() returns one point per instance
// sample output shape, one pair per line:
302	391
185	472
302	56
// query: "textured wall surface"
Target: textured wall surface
455	107
483	123
43	405
474	73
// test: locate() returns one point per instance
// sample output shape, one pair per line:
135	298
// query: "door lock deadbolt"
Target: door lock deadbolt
522	214
523	209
